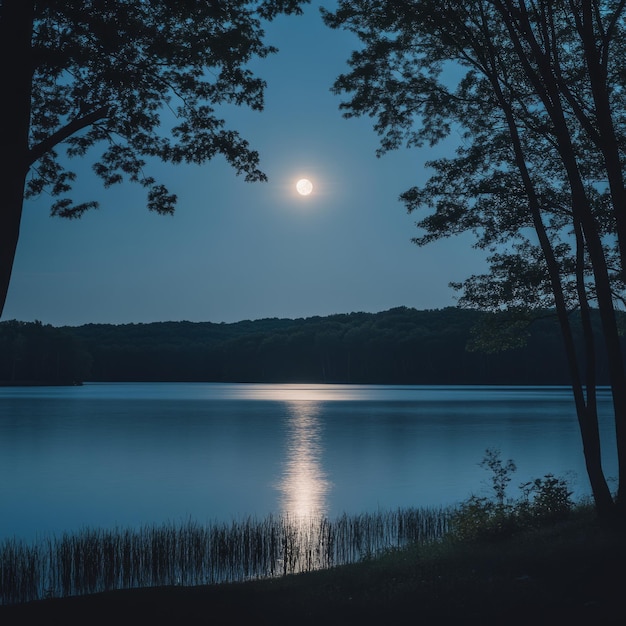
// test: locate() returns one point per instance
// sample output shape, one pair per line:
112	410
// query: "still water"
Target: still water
119	455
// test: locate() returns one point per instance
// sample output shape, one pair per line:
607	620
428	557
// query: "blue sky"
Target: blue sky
237	250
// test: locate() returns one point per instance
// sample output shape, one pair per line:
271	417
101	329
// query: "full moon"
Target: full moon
304	186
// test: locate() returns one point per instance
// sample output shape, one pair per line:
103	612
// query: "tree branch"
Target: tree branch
614	20
68	130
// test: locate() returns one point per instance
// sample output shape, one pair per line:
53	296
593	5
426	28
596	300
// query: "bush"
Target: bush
546	499
481	518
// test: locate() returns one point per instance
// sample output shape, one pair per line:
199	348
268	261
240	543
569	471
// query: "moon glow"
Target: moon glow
304	186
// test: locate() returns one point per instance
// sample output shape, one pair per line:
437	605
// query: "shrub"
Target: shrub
481	518
500	473
546	499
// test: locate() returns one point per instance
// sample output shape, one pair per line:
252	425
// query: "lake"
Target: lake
125	455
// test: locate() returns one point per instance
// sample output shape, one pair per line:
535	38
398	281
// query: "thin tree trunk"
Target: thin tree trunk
582	211
604	295
609	147
546	85
586	409
608	143
590	423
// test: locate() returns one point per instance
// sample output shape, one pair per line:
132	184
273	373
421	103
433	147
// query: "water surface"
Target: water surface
131	454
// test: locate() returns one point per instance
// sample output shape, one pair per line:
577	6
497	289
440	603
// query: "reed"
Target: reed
189	553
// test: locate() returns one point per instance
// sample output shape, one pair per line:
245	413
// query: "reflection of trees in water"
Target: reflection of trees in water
303	484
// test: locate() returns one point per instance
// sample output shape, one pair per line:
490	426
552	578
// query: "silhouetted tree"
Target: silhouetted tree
536	92
142	79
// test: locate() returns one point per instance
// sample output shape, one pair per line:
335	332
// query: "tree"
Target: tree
535	89
115	74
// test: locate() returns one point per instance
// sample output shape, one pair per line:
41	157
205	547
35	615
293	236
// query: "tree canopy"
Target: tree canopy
121	83
532	94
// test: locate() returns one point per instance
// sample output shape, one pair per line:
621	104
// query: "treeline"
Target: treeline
399	346
33	353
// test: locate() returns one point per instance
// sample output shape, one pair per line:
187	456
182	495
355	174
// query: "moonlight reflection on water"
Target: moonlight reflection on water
304	485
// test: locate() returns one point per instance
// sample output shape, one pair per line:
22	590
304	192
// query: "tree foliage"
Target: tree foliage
119	73
532	94
122	83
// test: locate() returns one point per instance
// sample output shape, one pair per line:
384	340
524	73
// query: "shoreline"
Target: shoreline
571	572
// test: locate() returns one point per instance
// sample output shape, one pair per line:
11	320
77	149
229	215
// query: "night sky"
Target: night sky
237	250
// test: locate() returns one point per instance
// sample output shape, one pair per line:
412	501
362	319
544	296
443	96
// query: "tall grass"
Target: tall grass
95	560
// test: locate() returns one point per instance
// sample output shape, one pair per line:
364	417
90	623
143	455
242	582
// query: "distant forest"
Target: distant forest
399	346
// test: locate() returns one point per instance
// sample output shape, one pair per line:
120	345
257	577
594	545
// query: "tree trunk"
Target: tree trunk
11	193
16	71
608	142
586	408
589	421
542	77
609	146
604	297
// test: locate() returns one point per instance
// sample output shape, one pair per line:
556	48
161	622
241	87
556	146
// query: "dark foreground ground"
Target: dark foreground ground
573	573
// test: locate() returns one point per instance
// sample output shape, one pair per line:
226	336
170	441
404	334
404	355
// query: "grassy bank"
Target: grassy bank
565	573
191	554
